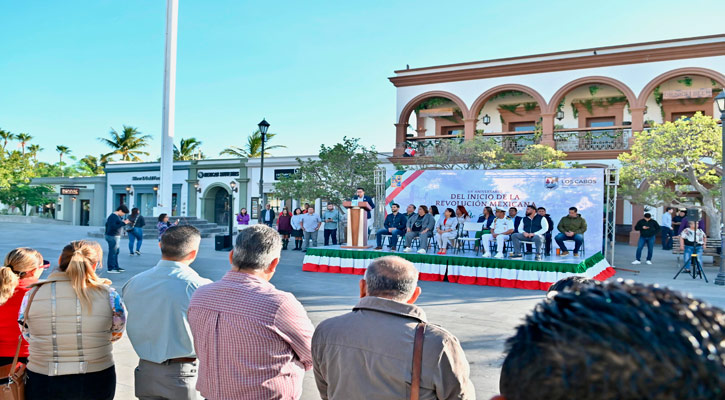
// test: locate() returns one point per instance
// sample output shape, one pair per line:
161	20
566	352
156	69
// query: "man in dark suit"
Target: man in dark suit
513	214
362	197
267	216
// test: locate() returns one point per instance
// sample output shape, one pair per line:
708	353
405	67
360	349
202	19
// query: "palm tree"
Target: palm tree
127	144
34	149
6	136
61	150
23	138
253	148
188	150
94	164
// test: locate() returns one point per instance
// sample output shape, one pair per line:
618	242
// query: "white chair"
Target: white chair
471	228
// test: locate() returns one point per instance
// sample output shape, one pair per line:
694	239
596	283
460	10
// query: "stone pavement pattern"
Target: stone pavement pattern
481	317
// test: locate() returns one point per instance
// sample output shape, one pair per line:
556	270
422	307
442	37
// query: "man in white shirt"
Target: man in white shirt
531	229
666	226
502	228
310	225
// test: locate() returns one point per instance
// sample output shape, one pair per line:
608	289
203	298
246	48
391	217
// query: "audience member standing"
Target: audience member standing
135	230
284	226
531	228
267	216
501	230
310	226
677	221
242	219
571	227
296	223
332	218
693	241
648	229
253	340
667	229
445	230
164	224
22	267
114	229
420	225
158	326
70	321
616	341
393	226
368	353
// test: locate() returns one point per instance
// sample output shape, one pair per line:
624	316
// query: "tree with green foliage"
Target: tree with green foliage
479	153
92	165
253	148
189	149
34	149
339	170
127	144
6	136
23	138
673	159
62	150
539	156
16	172
23	195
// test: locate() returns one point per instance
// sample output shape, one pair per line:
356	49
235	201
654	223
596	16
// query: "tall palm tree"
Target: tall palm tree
62	150
253	148
34	149
188	150
94	164
23	138
6	136
128	144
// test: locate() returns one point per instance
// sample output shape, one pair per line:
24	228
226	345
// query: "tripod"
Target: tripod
695	268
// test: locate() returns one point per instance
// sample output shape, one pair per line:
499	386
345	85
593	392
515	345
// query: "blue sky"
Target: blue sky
316	70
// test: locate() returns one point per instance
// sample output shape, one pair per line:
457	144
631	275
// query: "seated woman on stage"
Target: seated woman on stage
487	220
462	215
445	230
433	210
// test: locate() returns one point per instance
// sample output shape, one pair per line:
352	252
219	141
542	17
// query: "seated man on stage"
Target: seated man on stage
571	227
531	229
500	231
419	225
394	225
547	235
445	229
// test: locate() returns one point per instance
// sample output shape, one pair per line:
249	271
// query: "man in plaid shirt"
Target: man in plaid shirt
252	340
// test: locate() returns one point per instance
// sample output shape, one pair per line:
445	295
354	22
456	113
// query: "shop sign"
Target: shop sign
145	178
285	173
70	191
687	94
217	174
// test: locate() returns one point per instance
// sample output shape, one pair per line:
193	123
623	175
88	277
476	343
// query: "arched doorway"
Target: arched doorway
215	204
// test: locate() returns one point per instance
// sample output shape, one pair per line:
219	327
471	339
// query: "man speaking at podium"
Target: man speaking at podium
362	197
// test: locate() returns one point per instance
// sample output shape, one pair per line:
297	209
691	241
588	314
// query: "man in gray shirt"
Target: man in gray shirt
331	217
310	225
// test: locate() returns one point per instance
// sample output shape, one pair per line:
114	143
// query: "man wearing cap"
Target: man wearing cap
500	230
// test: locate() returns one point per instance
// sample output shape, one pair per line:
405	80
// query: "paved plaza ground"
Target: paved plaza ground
481	317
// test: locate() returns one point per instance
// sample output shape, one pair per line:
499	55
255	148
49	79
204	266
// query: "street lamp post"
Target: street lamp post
720	280
233	185
263	127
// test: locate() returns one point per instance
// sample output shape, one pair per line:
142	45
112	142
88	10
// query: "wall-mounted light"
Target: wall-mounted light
560	115
234	187
60	199
720	101
486	119
129	190
197	186
74	198
156	188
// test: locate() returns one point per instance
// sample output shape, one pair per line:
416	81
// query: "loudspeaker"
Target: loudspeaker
694	214
222	242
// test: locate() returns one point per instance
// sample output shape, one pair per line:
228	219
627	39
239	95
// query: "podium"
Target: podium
357	225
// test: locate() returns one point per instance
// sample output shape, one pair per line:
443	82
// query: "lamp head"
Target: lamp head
263	126
560	115
486	119
720	101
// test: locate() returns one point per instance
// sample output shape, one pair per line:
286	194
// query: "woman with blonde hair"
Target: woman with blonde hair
70	321
22	267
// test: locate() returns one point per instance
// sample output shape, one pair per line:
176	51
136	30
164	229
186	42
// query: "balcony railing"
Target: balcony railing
514	142
593	139
427	145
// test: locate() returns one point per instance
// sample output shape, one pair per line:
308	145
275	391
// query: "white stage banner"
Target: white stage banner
554	189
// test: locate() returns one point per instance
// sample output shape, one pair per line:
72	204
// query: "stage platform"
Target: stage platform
466	268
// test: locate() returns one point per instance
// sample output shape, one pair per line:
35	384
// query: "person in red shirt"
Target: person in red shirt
22	267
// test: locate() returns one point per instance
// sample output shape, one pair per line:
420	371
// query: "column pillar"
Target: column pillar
547	127
469	128
191	192
399	139
637	121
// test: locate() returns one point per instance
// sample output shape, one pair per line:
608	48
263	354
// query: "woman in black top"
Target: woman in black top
135	230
